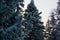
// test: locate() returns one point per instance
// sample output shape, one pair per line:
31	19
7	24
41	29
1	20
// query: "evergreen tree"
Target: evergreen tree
57	28
10	19
52	25
56	31
32	18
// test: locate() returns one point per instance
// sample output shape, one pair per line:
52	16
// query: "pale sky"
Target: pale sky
44	6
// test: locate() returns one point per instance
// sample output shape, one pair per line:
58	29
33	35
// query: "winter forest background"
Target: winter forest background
46	6
29	20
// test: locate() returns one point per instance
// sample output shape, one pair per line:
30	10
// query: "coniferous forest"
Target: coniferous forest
19	24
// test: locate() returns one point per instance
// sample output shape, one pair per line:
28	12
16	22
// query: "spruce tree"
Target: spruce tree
52	25
34	19
56	30
10	19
